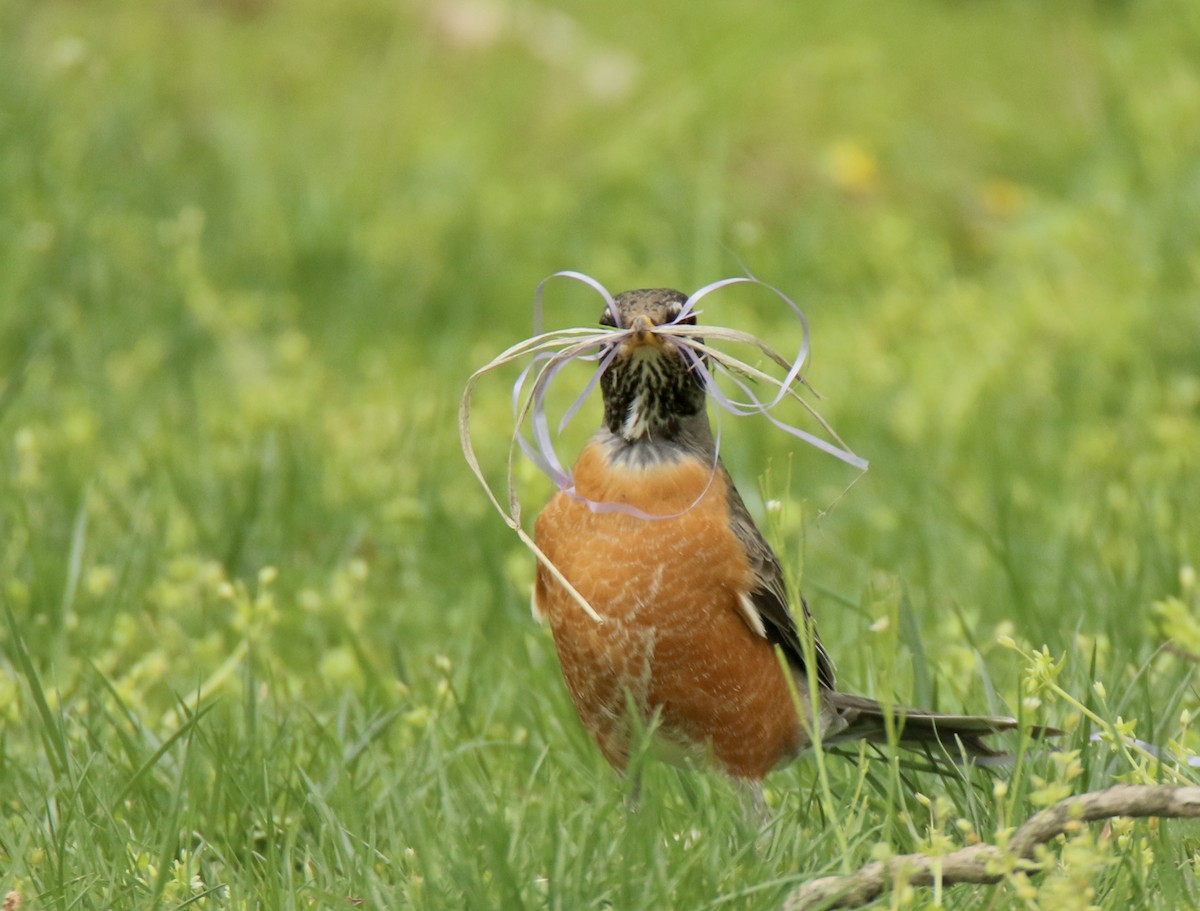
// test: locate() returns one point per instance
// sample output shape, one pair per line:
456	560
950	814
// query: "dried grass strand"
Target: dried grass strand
549	352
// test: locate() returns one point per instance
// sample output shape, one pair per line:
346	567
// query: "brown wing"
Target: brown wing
770	595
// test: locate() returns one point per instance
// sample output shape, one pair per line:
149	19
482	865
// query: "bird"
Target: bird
696	642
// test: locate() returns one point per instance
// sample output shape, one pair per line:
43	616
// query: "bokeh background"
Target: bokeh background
251	250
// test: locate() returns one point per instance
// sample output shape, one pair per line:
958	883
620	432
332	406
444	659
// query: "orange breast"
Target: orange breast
673	642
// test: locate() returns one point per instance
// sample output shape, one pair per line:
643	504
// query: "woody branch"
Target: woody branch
984	863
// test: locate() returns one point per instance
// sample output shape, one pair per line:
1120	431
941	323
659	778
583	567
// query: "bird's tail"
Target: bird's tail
957	736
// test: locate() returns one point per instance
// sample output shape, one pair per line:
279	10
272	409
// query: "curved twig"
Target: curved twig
983	863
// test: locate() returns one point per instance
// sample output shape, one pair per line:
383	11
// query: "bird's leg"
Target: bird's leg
755	813
633	797
754	805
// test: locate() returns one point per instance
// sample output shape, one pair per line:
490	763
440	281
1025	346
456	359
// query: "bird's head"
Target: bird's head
651	389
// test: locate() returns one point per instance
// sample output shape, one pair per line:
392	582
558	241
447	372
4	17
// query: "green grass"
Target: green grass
260	626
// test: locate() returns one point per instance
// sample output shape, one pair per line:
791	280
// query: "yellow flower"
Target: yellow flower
1001	198
852	168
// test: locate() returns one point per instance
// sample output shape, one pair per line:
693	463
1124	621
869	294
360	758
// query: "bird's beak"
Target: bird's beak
643	332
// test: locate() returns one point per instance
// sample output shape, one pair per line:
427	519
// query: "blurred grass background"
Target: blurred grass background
265	644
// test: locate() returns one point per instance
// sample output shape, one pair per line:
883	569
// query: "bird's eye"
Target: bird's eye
689	320
607	318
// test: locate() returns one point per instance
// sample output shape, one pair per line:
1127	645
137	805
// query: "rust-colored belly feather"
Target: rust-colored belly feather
673	641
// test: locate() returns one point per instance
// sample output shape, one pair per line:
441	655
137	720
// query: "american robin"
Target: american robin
695	616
